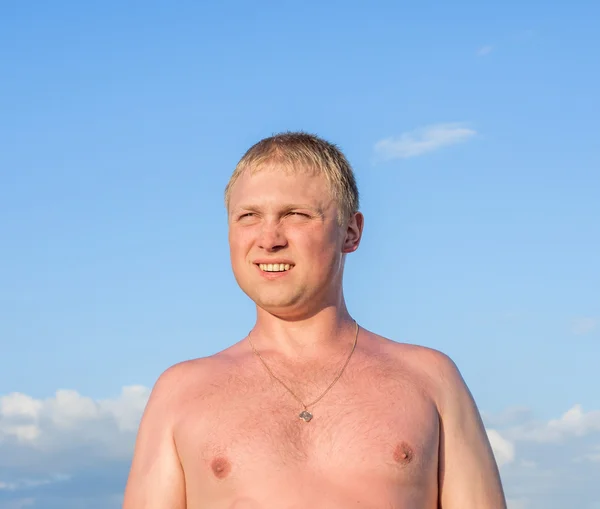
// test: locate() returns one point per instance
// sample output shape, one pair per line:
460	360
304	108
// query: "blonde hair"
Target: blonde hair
302	151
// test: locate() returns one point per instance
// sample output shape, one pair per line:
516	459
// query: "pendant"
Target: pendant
305	415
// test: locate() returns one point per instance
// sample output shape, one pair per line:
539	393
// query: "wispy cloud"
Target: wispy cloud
485	50
514	39
22	484
421	141
584	325
20	503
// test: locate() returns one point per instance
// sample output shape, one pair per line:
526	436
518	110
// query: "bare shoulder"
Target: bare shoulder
188	378
433	369
173	379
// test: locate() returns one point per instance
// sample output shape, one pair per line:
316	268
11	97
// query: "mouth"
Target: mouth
275	267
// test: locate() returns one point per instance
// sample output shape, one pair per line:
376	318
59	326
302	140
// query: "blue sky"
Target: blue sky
473	132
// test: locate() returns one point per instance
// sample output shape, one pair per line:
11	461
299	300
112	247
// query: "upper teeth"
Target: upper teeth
274	267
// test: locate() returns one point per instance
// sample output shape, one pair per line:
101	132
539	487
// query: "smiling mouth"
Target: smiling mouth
274	267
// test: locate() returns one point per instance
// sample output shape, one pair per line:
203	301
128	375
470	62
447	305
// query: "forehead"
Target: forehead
281	184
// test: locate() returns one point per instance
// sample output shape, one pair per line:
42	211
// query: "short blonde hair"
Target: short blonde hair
302	151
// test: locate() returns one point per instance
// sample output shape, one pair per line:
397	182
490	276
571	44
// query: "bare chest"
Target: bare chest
375	430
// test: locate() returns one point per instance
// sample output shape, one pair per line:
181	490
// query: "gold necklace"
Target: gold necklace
305	415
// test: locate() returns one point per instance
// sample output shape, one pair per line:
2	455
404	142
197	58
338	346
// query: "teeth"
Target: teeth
274	267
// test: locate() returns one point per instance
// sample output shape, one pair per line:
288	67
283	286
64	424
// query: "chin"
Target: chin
279	305
276	305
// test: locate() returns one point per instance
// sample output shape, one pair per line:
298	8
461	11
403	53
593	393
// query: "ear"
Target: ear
354	229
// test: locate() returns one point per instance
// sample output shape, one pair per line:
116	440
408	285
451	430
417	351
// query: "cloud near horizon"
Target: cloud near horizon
73	452
421	141
67	451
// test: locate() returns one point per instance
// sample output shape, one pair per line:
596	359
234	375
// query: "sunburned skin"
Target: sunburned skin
373	441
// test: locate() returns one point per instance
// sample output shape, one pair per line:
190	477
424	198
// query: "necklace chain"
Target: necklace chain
307	405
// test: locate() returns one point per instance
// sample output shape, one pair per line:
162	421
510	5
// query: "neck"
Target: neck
328	329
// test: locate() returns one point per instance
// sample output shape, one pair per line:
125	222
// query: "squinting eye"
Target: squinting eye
298	214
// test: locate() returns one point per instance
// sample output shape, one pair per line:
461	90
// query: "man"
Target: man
310	410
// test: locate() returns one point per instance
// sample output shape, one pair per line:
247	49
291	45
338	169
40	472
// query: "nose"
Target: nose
271	237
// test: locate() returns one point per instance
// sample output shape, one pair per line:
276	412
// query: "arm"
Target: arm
156	478
468	474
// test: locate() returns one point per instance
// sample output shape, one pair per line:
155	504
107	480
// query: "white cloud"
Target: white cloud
421	141
573	423
576	422
584	325
554	465
68	419
17	404
504	451
66	446
484	50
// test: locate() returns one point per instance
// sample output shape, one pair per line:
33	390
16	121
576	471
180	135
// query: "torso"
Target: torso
372	443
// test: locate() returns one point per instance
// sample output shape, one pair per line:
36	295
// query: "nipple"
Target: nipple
403	453
220	467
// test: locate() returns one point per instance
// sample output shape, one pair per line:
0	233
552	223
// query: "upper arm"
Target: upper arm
156	478
468	474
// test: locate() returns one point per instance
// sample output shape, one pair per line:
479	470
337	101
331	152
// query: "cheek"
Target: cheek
322	250
237	253
238	241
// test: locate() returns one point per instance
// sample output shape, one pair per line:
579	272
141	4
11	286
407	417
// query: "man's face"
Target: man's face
286	245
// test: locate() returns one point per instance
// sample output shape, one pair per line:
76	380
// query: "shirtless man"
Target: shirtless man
310	410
